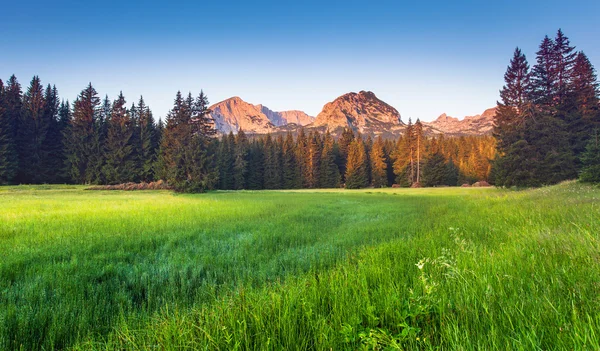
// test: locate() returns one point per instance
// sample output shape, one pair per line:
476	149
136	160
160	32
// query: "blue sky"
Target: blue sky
423	58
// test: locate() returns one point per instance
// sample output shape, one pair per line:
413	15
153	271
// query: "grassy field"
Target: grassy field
454	269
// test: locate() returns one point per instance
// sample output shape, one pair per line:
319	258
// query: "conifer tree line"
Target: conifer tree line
103	141
318	160
548	118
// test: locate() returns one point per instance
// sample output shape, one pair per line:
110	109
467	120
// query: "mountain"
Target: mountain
362	112
234	114
471	125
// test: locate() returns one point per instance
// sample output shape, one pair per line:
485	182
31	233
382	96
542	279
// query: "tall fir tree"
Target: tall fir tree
434	170
509	121
590	160
225	162
184	159
404	157
9	151
9	159
289	163
240	160
148	142
31	136
313	162
329	171
120	163
419	148
378	164
53	149
343	146
273	174
82	137
356	167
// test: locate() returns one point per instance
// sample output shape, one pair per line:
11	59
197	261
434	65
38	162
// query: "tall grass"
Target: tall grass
375	269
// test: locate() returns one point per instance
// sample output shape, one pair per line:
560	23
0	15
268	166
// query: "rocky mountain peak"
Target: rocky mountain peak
361	111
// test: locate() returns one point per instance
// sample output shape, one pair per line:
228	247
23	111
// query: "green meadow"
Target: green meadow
373	269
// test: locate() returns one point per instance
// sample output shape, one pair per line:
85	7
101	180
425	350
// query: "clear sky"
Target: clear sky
422	57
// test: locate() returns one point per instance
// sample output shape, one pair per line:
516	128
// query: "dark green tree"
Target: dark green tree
356	167
329	171
378	164
590	159
119	148
291	171
435	170
82	137
148	142
9	158
240	160
225	162
273	173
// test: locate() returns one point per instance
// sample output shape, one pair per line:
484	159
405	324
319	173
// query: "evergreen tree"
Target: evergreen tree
329	171
404	163
451	176
148	142
225	162
435	170
583	107
273	174
419	147
95	173
53	149
563	61
378	165
240	161
9	151
356	167
313	161
9	159
343	146
185	162
590	160
82	137
64	123
256	166
31	134
302	157
119	166
291	172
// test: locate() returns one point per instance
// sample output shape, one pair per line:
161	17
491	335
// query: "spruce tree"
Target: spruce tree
343	146
419	148
64	125
31	135
404	157
148	142
273	174
184	159
313	162
53	149
302	157
9	159
225	162
329	171
451	176
356	167
590	159
240	160
256	165
435	170
378	164
119	165
81	139
289	162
